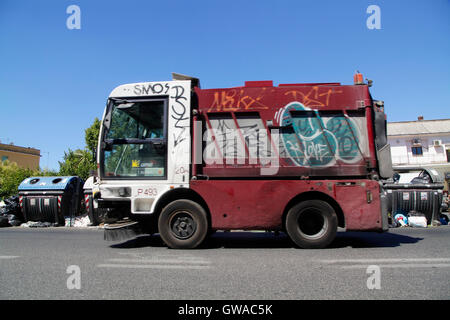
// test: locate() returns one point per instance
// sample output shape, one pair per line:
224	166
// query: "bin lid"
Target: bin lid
89	183
46	183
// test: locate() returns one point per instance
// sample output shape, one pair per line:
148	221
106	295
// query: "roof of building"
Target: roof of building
418	127
13	148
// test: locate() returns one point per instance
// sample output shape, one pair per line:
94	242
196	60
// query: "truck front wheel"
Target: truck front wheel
312	224
183	224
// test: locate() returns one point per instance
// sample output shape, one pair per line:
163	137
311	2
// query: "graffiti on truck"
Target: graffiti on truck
236	100
308	138
314	140
247	143
179	114
315	97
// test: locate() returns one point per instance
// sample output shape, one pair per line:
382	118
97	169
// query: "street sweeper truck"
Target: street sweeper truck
302	158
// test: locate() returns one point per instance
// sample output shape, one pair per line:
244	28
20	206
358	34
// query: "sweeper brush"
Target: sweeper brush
122	230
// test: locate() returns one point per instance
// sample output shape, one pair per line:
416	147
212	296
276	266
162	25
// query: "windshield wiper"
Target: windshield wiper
119	101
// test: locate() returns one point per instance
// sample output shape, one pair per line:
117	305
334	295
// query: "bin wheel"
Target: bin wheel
312	224
183	224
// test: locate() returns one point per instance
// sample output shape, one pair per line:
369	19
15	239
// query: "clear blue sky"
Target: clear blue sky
55	81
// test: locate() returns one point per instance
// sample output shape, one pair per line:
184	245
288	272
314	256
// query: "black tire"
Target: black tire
183	224
312	224
93	217
149	225
96	215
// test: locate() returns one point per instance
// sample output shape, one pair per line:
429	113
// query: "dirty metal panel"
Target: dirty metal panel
361	204
259	204
270	99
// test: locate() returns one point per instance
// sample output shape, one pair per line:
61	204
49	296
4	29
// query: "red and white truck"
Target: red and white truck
302	158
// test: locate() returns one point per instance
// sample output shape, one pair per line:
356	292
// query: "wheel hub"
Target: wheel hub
312	224
182	225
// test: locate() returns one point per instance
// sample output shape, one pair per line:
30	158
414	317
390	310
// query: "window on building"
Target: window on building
448	155
417	151
4	158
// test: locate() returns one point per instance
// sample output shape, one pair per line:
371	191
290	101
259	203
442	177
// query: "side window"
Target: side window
137	140
417	151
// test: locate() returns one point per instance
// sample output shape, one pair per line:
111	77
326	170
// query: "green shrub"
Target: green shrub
11	175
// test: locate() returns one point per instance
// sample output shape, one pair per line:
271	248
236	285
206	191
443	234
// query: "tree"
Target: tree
81	161
91	135
77	163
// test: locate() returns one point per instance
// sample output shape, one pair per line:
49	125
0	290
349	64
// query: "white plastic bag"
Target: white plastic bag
417	222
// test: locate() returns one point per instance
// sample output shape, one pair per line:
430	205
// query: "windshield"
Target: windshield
135	140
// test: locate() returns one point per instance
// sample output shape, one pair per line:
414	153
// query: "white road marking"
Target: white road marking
9	257
138	261
389	263
161	261
150	266
401	265
381	260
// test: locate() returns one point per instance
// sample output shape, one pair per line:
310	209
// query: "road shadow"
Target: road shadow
272	240
248	240
371	240
140	242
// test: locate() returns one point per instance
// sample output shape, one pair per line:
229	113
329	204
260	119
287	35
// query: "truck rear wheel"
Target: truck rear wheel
183	224
312	224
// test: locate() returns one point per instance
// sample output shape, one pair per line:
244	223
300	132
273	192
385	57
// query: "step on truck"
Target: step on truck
302	158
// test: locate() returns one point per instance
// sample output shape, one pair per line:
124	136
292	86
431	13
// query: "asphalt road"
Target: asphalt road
411	264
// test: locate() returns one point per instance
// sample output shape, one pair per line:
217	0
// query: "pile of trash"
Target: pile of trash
415	219
80	221
11	216
10	213
38	224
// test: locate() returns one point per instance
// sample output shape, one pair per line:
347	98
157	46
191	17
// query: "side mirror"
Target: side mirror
107	146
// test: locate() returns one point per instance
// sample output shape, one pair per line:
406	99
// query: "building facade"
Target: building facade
23	156
423	143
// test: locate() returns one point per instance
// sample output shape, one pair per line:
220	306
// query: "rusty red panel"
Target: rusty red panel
309	84
359	214
269	99
259	204
267	83
237	99
233	171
